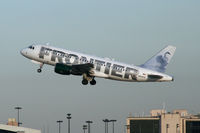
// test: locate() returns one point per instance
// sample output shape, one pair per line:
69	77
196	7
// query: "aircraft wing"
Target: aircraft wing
82	68
76	69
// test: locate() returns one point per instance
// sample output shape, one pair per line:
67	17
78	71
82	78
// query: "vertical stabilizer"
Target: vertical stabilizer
160	61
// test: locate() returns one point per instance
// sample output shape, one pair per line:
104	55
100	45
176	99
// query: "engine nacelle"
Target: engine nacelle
63	69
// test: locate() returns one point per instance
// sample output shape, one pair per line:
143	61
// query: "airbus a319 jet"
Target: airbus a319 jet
67	62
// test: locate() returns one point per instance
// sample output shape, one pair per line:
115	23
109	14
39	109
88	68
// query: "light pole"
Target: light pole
18	108
89	122
84	128
113	121
69	117
106	125
59	127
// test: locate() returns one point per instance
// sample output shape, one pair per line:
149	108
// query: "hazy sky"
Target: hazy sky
127	30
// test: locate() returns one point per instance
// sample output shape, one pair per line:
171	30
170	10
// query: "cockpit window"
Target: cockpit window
31	47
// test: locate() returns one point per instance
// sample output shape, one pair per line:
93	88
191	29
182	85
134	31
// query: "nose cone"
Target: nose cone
23	52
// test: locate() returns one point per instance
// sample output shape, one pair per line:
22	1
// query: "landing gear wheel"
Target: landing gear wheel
93	82
39	70
84	82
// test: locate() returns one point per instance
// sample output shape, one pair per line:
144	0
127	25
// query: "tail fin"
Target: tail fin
160	61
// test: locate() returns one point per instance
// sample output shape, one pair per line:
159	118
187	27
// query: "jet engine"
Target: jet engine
63	69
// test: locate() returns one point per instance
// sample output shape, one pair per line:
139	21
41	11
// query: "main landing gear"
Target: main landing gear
85	82
40	69
93	82
87	79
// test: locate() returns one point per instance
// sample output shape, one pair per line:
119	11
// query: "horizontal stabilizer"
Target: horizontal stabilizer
160	61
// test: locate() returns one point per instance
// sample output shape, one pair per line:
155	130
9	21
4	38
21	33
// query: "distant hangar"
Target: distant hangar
16	129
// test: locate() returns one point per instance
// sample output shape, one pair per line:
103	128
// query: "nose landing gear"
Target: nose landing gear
40	69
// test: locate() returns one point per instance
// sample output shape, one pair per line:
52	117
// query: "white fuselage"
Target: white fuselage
103	67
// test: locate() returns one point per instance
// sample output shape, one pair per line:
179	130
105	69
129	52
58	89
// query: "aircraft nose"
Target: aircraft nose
23	52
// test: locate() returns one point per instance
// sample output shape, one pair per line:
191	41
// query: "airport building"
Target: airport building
160	121
12	127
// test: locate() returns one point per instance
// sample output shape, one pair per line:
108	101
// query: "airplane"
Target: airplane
67	62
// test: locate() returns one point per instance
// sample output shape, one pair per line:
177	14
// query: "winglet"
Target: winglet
160	61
